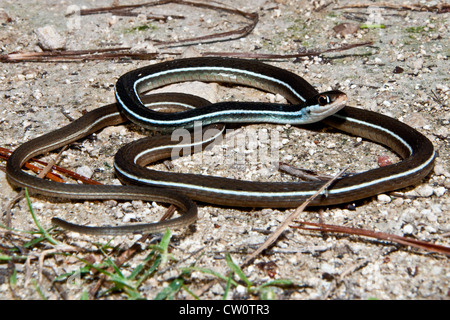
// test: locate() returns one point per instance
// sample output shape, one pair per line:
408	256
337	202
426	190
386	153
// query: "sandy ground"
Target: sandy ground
33	96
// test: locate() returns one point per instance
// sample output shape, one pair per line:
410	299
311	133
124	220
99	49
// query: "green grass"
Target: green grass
372	26
264	291
144	27
125	281
418	29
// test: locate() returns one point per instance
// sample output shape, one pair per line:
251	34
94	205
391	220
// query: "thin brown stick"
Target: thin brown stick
19	196
8	208
439	8
234	34
127	10
324	6
302	173
75	55
56	250
169	213
309	53
253	18
5	153
123	52
51	163
112	9
373	234
274	236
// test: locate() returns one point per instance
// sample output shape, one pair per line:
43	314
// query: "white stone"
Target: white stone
408	229
85	171
440	191
384	198
425	191
128	217
50	39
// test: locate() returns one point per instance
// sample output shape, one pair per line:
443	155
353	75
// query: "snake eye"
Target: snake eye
323	100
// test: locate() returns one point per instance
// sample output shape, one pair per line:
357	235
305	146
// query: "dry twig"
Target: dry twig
75	55
234	34
377	235
274	236
19	196
302	173
438	8
230	35
309	53
5	153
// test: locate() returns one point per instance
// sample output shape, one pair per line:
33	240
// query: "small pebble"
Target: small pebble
119	214
442	87
241	290
85	171
431	216
425	191
129	217
346	28
190	52
144	47
436	208
440	170
398	69
384	161
430	229
408	229
440	191
38	205
418	64
399	201
50	39
384	198
112	20
4	17
37	94
327	267
137	204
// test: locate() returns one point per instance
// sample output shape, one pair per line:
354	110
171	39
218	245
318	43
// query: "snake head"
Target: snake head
325	104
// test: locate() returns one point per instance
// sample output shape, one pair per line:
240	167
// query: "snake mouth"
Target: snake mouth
327	103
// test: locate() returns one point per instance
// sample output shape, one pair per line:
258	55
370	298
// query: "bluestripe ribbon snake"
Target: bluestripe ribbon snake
306	105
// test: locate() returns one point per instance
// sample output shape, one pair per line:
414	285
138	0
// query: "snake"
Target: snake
136	103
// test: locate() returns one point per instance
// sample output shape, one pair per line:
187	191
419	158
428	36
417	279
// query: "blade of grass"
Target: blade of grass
44	232
228	287
13	278
152	269
84	295
279	282
39	290
169	291
237	270
164	245
211	272
190	292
